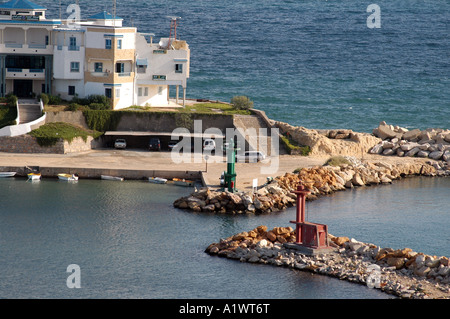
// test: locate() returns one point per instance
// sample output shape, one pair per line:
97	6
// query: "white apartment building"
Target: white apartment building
95	56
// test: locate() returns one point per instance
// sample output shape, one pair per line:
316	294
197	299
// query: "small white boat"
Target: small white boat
68	177
111	178
183	182
34	176
7	174
157	180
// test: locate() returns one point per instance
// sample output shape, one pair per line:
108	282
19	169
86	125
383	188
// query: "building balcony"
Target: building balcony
30	74
26	48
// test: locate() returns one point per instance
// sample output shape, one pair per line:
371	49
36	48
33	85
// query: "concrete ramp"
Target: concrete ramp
256	132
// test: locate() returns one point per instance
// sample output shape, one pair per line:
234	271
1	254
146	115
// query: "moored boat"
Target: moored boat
111	178
34	176
183	182
157	180
68	177
7	174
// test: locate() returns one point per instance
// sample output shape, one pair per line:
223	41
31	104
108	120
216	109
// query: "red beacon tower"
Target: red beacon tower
311	238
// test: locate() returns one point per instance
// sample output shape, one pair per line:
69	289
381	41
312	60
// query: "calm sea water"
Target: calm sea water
130	242
310	63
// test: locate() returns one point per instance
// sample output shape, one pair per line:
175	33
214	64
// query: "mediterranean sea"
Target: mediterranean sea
310	63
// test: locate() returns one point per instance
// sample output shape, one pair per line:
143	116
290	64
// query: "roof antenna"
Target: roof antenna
114	12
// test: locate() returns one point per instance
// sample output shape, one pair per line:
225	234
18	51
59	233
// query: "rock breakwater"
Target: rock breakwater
430	143
320	181
401	272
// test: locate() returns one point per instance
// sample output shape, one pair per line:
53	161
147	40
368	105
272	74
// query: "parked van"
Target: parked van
250	157
209	145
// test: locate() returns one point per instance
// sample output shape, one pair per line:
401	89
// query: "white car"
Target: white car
120	143
209	145
250	157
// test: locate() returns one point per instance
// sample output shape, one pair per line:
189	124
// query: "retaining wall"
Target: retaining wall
28	144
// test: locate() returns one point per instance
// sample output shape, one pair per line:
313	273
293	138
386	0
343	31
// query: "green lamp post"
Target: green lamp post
230	174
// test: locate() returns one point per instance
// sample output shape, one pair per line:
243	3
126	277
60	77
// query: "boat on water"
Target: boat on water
7	174
111	178
157	180
68	177
183	182
34	176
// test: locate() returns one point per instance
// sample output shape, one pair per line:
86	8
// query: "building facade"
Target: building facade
95	56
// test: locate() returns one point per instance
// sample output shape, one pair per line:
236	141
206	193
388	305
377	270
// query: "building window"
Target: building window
108	43
119	44
98	67
74	66
43	88
118	93
120	67
108	93
71	90
178	68
160	90
73	44
46	40
139	91
145	91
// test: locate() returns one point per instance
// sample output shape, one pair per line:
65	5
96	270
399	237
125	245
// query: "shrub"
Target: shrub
241	102
54	100
44	98
98	106
11	100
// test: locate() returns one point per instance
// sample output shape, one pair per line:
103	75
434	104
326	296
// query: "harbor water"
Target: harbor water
130	242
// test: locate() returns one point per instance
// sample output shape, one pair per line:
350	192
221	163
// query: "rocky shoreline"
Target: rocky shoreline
277	194
430	143
402	272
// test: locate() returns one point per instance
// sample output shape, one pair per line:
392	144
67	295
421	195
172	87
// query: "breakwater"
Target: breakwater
401	272
320	181
430	143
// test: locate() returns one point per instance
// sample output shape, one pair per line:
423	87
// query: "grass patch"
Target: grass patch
337	161
201	108
49	134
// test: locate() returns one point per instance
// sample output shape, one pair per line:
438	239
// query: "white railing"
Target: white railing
21	129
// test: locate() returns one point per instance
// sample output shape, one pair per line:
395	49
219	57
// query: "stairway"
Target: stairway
29	110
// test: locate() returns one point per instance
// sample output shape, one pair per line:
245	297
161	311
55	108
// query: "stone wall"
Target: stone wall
76	118
28	144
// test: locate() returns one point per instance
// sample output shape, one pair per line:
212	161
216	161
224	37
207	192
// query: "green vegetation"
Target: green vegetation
8	113
337	161
241	103
48	99
293	148
93	102
48	134
102	120
200	108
